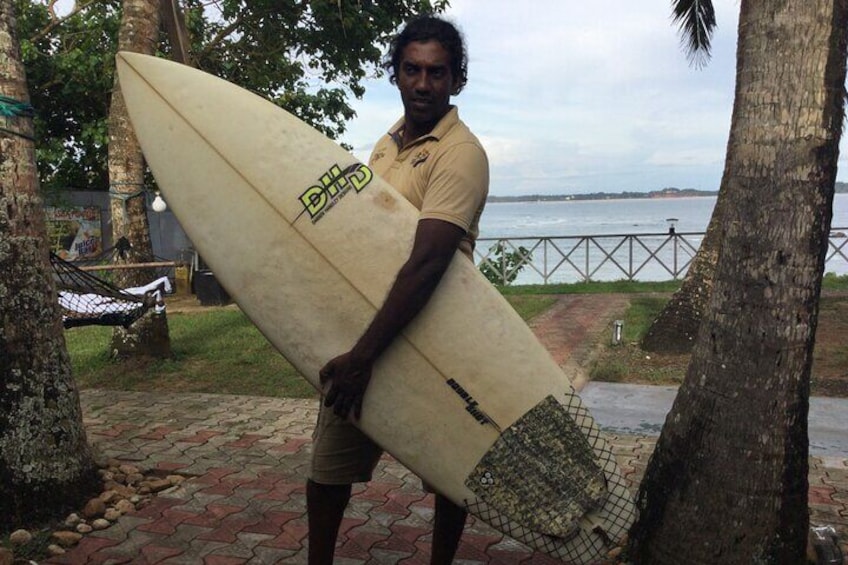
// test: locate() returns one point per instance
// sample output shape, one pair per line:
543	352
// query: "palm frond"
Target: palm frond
696	21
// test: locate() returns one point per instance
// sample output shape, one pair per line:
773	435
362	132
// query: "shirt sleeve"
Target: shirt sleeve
458	185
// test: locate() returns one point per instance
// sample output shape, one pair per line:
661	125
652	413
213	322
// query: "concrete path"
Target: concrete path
633	409
247	458
244	503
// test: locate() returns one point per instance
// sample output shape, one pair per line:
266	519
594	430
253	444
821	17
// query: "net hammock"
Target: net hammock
88	300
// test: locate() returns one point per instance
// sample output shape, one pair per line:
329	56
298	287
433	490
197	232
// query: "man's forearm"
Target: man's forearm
435	245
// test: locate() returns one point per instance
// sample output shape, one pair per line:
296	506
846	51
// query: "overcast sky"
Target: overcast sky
571	97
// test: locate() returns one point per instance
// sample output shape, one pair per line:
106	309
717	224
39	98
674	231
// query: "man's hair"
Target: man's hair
430	28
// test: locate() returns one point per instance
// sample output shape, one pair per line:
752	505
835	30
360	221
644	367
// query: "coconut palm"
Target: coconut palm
45	461
728	480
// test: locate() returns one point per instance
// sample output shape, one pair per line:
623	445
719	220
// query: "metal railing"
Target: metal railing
609	257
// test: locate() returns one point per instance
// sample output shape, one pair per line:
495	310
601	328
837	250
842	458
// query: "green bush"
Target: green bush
502	267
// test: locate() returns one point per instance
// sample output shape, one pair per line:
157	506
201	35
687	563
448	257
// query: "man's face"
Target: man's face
425	81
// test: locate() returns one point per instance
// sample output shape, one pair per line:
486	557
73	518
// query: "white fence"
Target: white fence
586	258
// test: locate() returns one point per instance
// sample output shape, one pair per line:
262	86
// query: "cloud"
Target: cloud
578	96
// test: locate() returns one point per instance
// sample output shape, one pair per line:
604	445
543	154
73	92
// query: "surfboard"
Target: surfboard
308	240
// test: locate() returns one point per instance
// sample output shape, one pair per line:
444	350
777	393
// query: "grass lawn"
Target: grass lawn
218	350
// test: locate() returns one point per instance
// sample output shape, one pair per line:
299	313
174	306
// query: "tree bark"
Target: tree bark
728	480
676	327
45	461
147	336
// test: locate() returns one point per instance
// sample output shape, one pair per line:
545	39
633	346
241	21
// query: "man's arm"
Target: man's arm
436	242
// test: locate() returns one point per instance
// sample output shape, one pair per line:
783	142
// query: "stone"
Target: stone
128	469
65	538
7	556
109	496
20	537
84	528
54	549
72	520
111	514
124	506
100	524
134	478
94	508
176	479
157	485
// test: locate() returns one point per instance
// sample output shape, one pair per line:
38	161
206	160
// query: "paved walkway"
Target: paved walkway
248	456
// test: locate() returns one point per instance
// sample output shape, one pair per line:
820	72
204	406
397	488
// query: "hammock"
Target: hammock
88	300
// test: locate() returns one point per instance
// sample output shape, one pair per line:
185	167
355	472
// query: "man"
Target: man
431	158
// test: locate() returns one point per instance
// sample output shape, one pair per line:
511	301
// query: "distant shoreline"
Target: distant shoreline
655	194
841	188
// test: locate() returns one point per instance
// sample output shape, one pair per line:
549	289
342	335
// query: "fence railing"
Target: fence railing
610	257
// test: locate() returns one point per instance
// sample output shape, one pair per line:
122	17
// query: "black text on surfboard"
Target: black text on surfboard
332	186
471	405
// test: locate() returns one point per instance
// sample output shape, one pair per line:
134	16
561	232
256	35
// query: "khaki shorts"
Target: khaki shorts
341	454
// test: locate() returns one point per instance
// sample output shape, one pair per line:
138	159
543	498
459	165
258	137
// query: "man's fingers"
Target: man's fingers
324	374
357	407
331	397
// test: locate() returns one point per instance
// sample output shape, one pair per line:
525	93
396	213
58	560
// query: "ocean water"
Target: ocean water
596	217
606	258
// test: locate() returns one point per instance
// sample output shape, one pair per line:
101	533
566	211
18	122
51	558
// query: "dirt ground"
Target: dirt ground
629	364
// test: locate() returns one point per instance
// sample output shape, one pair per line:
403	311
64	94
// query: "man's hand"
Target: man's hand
348	380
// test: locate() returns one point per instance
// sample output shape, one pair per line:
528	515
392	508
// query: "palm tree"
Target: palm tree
139	32
675	328
728	480
45	461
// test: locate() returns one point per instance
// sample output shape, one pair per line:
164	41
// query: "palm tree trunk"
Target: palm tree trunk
45	461
728	480
148	336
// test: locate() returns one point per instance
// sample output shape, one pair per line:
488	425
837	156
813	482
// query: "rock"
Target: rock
124	506
109	496
94	508
176	479
134	478
84	528
20	537
66	539
128	469
100	524
111	514
106	475
7	557
54	549
157	485
72	520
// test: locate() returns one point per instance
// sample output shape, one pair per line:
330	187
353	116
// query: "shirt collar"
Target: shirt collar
445	124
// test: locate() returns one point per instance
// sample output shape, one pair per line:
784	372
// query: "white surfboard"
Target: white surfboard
308	240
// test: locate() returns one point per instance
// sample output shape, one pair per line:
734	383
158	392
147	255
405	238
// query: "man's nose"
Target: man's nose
423	81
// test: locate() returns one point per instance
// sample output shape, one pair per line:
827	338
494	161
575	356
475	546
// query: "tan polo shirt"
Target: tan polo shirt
445	174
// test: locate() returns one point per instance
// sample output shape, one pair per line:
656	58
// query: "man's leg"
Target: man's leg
325	505
449	523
